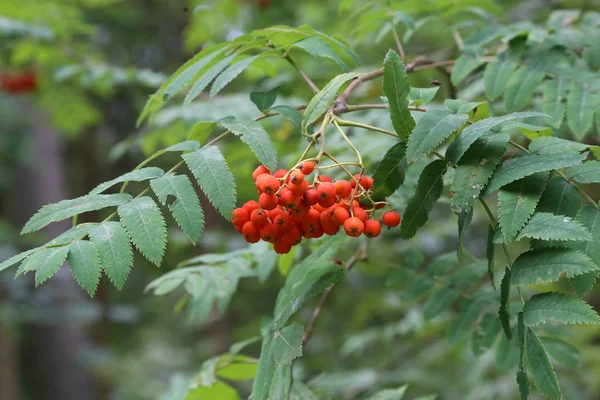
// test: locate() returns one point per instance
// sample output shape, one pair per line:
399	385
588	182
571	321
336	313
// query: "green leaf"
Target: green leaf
231	73
432	129
145	226
496	76
285	261
219	390
520	167
69	208
187	145
489	254
591	49
555	99
289	113
588	216
561	351
463	324
212	173
560	198
324	99
45	263
546	226
139	175
582	103
17	258
475	169
207	77
239	371
588	172
485	334
471	133
317	47
464	256
307	279
553	145
439	302
388	177
503	311
287	344
521	86
201	131
517	202
115	251
523	383
186	208
264	100
429	189
256	137
547	265
85	265
397	89
465	64
540	367
390	394
422	95
558	307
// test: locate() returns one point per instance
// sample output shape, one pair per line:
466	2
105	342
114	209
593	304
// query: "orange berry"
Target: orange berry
326	190
328	225
267	183
251	232
306	167
296	177
261	169
289	200
283	221
339	215
268	201
250	206
269	232
325	178
282	247
300	188
360	214
391	218
363	180
372	228
259	217
311	197
354	227
280	173
239	216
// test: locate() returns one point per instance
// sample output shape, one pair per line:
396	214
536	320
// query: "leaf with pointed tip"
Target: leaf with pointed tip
287	344
84	262
324	99
145	226
397	89
521	167
561	351
231	73
465	64
115	251
317	47
212	173
463	324
422	95
291	114
45	262
207	77
554	100
503	311
390	394
187	145
554	145
560	198
588	172
521	86
546	226
489	254
429	189
582	103
139	175
432	129
256	137
547	265
69	208
186	208
496	76
588	216
264	100
17	258
558	307
471	133
475	169
439	302
387	177
541	369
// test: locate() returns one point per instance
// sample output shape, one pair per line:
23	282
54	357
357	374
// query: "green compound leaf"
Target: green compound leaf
582	103
69	208
287	344
114	248
207	77
546	226
231	73
476	168
388	177
503	311
291	114
558	307
145	226
429	190
496	76
186	208
317	47
17	258
324	99
560	198
588	172
139	175
547	265
397	89
439	302
256	137
45	263
521	86
554	145
432	129
541	369
463	67
212	173
588	216
554	100
517	202
390	394
85	265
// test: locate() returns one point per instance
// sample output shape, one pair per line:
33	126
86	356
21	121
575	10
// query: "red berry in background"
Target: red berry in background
307	167
263	4
391	218
372	228
251	232
268	201
354	227
325	178
339	215
261	169
363	180
250	206
18	82
360	214
259	217
343	188
239	216
280	173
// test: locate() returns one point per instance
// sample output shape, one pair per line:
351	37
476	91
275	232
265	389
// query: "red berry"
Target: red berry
360	214
311	197
259	217
282	247
296	177
239	216
283	221
328	225
306	167
339	215
363	180
272	214
251	232
372	228
343	188
289	200
280	173
267	183
354	227
391	218
326	190
299	189
269	232
250	206
268	201
325	178
294	235
261	169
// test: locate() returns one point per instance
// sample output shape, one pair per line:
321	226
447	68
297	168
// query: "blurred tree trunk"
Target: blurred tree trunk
8	371
53	350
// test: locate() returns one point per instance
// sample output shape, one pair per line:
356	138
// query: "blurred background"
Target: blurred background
84	70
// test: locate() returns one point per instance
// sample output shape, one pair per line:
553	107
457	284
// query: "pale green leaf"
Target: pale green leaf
212	173
558	307
464	321
387	177
582	103
317	47
465	64
287	343
495	78
541	369
422	95
45	262
139	175
239	371
85	265
588	216
17	258
207	77
231	73
561	351
397	89
390	394
432	129
201	131
547	265
219	390
256	137
554	145
285	261
439	302
521	86
546	226
591	49
188	145
69	208
289	113
324	99
115	251
145	226
588	172
555	99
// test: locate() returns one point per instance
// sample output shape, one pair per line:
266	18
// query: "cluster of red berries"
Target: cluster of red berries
289	208
16	83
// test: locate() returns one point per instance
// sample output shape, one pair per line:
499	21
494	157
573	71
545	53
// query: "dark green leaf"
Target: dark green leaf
231	73
588	172
555	100
289	113
397	89
558	307
256	137
560	197
496	76
85	265
139	175
553	145
521	86
439	302
547	265
317	47
264	100
489	254
324	99
115	252
388	177
540	367
207	77
432	129
582	103
503	311
45	263
465	64
588	216
546	226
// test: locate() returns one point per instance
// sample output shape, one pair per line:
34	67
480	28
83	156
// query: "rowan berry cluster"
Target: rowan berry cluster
290	208
16	83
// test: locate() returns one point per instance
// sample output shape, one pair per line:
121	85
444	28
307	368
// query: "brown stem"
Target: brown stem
398	43
339	106
361	254
310	83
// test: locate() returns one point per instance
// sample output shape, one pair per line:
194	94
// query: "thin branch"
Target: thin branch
365	126
359	107
457	38
339	106
310	83
361	254
398	43
435	64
